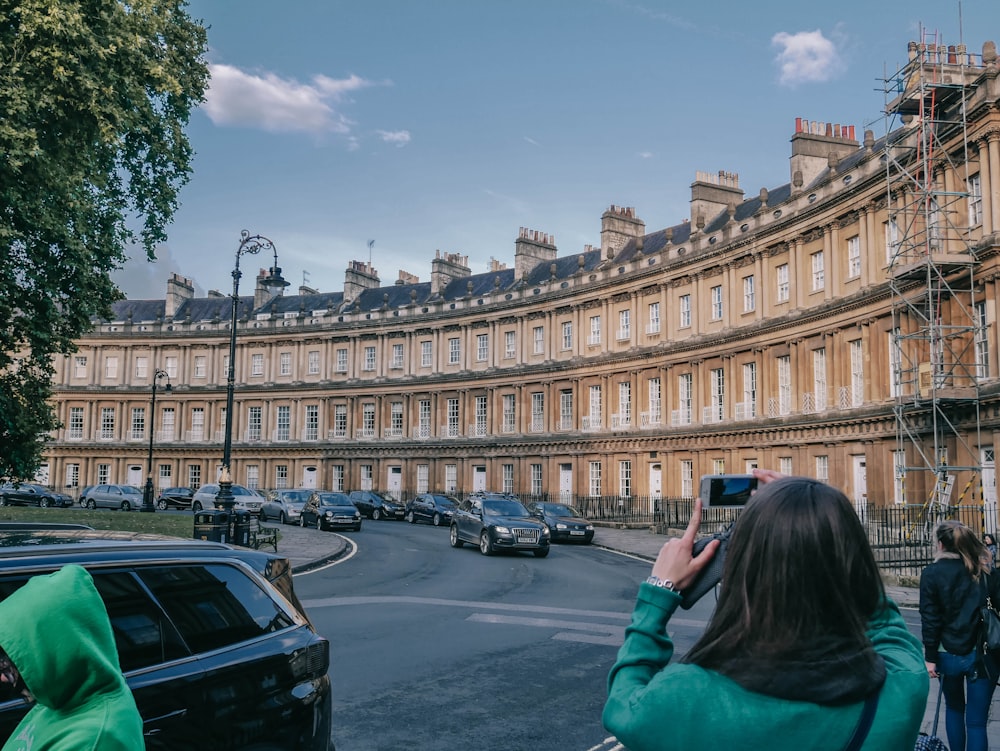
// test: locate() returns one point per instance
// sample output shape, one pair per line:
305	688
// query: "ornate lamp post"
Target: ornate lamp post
147	493
249	245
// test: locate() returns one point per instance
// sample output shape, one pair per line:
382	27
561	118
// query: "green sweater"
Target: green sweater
56	630
655	705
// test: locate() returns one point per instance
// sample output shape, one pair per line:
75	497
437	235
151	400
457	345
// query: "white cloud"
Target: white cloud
276	104
806	57
532	141
645	155
398	137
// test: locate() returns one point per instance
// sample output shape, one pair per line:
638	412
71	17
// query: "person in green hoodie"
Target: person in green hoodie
802	638
82	702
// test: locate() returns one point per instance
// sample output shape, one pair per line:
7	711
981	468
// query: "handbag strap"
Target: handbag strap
865	723
937	711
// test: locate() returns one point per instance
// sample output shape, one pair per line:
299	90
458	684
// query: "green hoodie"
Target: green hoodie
56	630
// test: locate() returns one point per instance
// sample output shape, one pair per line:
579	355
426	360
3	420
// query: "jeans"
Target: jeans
967	698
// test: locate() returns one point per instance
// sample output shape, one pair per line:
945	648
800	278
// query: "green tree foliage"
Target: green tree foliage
94	99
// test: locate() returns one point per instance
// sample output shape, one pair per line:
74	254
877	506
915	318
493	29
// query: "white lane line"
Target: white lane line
343	559
605	634
608	744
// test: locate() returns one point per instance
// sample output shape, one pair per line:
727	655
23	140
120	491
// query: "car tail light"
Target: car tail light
312	661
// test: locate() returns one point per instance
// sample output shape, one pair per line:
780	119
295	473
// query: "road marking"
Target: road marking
329	602
608	744
344	558
606	634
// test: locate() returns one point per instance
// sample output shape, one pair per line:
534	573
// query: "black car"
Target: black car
565	522
431	507
330	511
377	504
498	524
215	646
174	498
32	494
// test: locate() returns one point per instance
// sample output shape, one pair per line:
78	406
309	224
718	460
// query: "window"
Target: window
166	424
982	342
624	417
107	423
397	357
507	478
898	475
624	324
225	366
284	421
975	201
79	367
684	399
450	477
366	476
426	350
341	360
285	363
784	385
200	366
567	335
312	360
73	475
163	475
338	478
137	431
823	468
253	476
141	368
684	317
853	257
281	475
596	409
454	351
368	420
625	479
103	474
452	430
653	327
369	362
566	409
819	379
423	478
687	478
594	479
536	479
716	295
480	411
509	345
857	374
718	466
253	423
749	406
781	283
170	365
538	339
749	295
257	365
482	347
537	411
194	476
655	399
311	432
110	367
785	465
818	271
595	330
75	423
895	363
424	418
509	413
891	239
197	424
396	419
717	408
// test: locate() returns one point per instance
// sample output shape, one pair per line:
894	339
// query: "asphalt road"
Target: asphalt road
433	647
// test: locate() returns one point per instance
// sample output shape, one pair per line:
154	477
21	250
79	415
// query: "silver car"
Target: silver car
245	499
284	505
124	497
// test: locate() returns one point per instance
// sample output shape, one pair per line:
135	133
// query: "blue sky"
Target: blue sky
449	124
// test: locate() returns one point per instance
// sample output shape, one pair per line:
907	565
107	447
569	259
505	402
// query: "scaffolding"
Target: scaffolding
938	346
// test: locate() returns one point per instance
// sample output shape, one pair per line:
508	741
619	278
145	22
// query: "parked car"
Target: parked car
285	505
564	522
31	494
214	644
330	511
124	497
435	508
174	498
377	504
498	524
245	499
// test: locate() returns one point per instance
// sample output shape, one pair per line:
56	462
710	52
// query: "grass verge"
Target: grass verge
175	525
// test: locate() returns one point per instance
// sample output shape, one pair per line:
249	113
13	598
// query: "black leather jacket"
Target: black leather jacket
949	607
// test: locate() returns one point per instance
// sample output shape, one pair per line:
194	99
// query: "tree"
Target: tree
94	99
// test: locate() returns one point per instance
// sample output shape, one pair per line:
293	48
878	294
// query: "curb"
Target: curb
344	549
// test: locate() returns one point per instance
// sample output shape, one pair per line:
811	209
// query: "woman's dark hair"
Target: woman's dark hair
955	537
798	567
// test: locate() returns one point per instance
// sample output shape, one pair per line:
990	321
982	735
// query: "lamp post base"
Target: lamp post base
147	496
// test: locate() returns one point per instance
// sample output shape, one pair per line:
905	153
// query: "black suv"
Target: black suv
377	504
498	523
215	646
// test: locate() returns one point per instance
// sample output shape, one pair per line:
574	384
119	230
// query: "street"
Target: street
435	647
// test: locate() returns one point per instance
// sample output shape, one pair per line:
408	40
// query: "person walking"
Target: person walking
990	541
952	590
795	656
60	653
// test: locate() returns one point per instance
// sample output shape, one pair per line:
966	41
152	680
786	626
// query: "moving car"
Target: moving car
246	499
174	498
565	522
377	504
124	497
32	494
284	505
498	524
214	644
330	511
435	508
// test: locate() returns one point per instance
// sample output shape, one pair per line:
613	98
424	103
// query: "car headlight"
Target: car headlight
502	530
328	514
560	525
545	530
590	527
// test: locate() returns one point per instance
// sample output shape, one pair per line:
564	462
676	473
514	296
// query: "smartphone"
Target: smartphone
726	490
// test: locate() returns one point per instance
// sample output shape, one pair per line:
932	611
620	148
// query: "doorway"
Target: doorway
394	482
135	476
309	477
565	483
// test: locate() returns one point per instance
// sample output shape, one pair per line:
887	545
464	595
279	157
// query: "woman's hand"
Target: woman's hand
931	669
675	562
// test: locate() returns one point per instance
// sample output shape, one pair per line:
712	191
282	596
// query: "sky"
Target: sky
427	125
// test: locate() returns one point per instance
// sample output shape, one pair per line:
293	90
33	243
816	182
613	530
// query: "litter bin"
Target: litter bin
241	529
211	525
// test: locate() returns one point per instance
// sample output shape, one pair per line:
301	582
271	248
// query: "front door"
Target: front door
394	482
309	477
655	483
565	483
860	484
479	477
134	476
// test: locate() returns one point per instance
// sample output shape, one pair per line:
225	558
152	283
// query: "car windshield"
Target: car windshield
504	508
445	501
334	499
384	497
296	496
560	509
129	490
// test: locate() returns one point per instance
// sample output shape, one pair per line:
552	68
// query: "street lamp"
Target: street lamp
249	245
147	493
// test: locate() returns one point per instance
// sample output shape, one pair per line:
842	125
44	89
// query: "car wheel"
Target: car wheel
437	520
126	506
281	518
541	552
196	506
302	521
453	537
485	544
161	504
409	517
91	504
376	514
3	500
44	503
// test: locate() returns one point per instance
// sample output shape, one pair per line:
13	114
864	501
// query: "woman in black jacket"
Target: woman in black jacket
952	590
